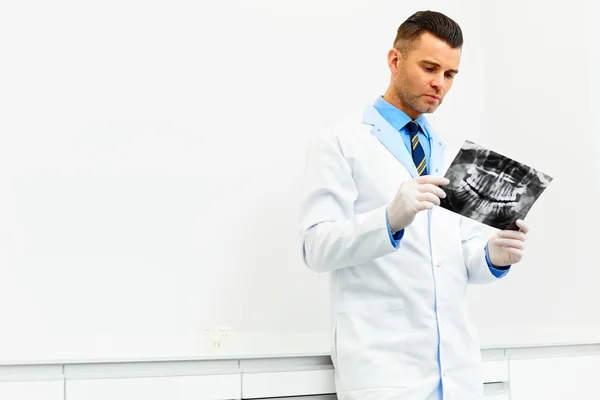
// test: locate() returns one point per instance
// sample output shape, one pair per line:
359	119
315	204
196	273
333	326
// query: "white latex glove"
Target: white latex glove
415	195
507	247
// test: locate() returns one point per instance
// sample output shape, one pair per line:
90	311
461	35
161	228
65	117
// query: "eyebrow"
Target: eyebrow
455	71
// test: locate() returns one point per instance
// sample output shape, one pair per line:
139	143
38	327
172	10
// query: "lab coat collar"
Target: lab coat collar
392	140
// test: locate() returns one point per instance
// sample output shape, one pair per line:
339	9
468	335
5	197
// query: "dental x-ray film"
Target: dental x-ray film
491	188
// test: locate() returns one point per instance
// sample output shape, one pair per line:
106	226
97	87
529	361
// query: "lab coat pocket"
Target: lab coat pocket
370	345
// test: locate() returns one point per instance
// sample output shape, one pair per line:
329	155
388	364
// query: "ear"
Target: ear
394	57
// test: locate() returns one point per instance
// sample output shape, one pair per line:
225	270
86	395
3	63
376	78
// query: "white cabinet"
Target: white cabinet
317	397
288	383
207	387
495	371
495	377
31	382
559	378
549	373
35	390
188	380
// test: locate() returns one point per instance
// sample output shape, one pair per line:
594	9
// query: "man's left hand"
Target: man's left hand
506	247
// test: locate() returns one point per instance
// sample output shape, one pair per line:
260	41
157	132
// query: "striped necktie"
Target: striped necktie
418	154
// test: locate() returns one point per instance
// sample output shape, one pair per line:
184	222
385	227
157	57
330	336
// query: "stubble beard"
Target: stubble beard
412	101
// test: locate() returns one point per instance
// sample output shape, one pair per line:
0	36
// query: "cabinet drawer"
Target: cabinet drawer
287	383
495	371
40	390
206	387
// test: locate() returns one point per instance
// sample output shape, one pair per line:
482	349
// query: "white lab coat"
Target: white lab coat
386	329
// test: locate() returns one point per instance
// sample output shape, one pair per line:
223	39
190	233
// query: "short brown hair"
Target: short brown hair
436	23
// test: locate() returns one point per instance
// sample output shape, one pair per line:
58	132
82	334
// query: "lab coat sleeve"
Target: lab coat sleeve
332	235
479	268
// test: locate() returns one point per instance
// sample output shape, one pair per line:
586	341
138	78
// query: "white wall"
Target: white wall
541	96
151	154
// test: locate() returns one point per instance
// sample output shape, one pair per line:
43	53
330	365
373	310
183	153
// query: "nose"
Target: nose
438	82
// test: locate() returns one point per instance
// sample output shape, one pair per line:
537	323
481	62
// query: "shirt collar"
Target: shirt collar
396	117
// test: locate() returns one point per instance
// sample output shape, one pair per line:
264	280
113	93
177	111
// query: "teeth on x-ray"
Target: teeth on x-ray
491	188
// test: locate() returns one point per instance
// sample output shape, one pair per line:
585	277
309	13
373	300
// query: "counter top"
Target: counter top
77	350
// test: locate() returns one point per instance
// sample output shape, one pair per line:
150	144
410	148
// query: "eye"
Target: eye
429	69
450	76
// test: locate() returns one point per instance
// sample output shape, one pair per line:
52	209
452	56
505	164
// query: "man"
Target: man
399	264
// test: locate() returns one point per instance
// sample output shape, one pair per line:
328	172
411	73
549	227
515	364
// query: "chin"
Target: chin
427	107
427	110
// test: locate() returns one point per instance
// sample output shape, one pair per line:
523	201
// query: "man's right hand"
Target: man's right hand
415	195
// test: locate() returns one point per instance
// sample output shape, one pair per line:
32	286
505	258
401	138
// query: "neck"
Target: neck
391	97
